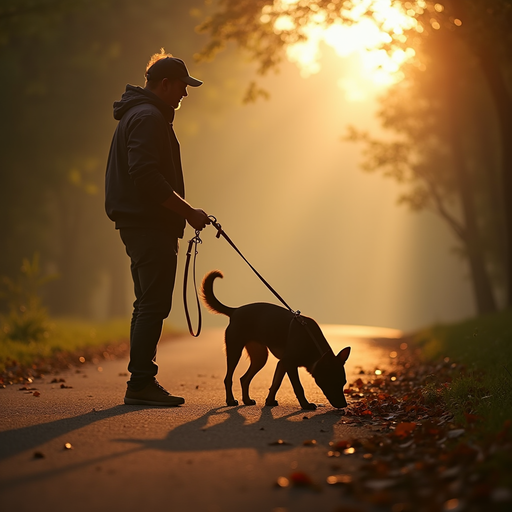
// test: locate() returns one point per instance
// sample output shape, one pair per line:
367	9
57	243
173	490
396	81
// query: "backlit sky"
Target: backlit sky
329	237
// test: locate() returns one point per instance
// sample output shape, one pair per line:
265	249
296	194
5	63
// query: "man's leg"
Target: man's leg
153	257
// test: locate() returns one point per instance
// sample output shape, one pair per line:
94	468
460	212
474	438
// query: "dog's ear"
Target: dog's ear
343	355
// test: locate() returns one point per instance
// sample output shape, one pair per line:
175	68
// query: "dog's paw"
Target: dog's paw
271	403
309	406
231	403
250	402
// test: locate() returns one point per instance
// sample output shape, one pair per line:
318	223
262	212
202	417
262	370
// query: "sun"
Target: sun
362	36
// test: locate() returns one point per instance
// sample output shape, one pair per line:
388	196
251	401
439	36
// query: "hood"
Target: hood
134	96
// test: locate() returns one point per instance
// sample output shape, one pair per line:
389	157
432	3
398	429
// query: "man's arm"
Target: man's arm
143	161
196	217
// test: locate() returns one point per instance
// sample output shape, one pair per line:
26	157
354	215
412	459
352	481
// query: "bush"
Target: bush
26	319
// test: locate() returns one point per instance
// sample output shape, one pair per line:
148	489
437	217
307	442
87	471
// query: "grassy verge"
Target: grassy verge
480	351
64	342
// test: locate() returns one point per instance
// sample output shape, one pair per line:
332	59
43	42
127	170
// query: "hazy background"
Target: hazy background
327	236
276	174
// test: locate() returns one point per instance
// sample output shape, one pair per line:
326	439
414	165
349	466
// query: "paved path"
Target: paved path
202	457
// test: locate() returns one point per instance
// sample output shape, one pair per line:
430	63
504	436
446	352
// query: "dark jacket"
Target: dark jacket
144	164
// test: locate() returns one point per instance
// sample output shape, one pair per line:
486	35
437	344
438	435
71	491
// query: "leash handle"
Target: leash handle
193	242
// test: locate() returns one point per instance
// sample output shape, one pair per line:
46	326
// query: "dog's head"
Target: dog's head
329	374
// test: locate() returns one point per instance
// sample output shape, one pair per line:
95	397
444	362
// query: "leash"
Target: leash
193	242
221	232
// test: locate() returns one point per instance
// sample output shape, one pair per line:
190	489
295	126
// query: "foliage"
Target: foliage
62	64
67	340
453	155
27	319
443	152
266	28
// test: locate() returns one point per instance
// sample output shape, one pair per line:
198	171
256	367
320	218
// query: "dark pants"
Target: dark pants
153	256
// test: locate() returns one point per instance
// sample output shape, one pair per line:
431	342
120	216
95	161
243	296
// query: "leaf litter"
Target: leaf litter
416	457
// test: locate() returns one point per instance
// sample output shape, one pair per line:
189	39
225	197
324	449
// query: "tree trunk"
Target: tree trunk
503	102
480	279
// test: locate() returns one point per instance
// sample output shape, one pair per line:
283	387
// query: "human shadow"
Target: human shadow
18	440
227	428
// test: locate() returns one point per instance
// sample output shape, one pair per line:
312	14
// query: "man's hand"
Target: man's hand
198	218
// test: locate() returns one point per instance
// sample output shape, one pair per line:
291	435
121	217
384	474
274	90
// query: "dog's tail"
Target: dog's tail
214	304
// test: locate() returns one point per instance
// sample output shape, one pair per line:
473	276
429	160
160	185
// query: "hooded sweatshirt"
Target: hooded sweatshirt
144	164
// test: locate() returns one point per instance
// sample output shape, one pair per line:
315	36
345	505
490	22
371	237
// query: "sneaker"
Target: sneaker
152	394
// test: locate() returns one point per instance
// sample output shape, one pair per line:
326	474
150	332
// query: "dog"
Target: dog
297	341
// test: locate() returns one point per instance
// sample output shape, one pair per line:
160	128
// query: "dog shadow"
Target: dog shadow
226	428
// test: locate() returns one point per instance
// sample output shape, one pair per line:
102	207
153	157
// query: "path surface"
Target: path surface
202	457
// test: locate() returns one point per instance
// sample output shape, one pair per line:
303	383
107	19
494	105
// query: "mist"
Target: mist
290	193
276	174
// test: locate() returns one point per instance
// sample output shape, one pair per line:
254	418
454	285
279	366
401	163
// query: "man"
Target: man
145	198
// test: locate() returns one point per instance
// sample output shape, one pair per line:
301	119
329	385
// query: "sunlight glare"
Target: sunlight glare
360	331
364	38
284	23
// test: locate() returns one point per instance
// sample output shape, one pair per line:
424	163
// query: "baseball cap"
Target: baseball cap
171	67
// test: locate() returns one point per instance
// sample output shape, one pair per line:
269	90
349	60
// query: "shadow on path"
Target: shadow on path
226	428
222	428
18	440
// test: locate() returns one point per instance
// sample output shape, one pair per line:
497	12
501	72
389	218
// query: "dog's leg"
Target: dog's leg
276	384
258	354
293	373
233	354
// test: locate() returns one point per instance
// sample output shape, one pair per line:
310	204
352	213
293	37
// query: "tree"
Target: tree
438	153
266	29
62	64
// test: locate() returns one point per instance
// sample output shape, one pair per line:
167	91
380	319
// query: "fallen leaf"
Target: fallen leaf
282	482
404	429
341	445
450	472
471	418
381	484
279	442
339	479
301	479
501	495
452	504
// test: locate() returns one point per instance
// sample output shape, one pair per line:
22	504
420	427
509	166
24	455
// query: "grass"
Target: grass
64	336
480	350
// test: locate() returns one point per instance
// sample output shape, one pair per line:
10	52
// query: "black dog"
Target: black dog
295	341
